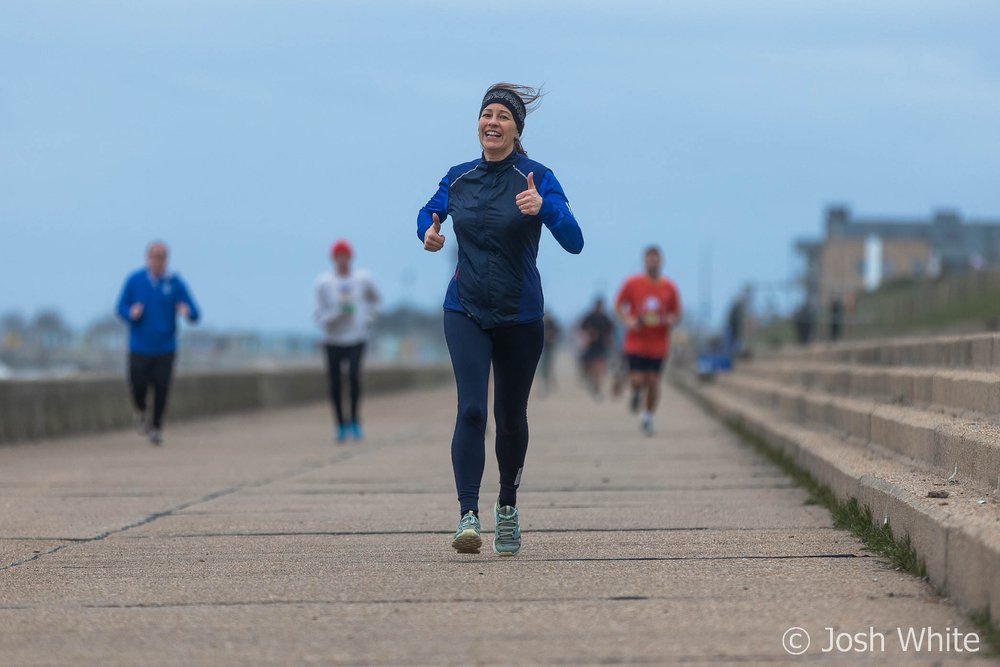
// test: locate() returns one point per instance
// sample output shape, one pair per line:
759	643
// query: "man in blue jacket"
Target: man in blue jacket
149	303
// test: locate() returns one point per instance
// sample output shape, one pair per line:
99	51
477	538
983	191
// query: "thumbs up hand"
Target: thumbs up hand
433	240
529	201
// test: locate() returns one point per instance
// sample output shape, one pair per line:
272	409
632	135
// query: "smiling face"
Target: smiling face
497	131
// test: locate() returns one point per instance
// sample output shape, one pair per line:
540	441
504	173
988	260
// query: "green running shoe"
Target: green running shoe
507	538
467	539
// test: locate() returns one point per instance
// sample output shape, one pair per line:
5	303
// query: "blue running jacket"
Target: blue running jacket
496	282
155	332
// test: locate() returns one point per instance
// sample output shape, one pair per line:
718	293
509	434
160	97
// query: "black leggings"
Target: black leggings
335	356
513	352
145	370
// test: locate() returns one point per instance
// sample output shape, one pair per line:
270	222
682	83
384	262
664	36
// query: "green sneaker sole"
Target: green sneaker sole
467	542
505	553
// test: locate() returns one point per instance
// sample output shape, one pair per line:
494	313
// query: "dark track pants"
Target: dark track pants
150	370
513	352
335	356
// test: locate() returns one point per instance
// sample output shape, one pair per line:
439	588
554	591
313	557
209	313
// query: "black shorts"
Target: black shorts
638	364
594	352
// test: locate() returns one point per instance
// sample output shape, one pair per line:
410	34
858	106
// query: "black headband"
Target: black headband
510	100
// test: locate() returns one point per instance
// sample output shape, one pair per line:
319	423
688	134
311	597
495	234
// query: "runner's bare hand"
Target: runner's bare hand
529	201
433	239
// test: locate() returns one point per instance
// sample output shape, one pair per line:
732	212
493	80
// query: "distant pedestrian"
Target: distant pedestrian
650	306
836	318
736	323
498	204
550	345
804	319
345	306
598	333
150	303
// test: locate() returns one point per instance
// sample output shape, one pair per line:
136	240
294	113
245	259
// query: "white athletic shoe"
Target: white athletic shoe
647	424
139	423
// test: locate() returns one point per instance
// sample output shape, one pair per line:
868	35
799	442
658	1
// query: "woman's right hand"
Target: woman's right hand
433	240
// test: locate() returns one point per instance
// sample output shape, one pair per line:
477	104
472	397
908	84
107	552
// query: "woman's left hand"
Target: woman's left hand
529	201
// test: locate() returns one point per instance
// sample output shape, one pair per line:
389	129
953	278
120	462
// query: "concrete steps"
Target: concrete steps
959	541
954	390
938	441
974	351
886	422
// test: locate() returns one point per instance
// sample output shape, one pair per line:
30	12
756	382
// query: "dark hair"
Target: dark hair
652	249
531	97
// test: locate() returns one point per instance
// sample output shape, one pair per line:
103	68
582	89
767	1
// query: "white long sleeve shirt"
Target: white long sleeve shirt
345	306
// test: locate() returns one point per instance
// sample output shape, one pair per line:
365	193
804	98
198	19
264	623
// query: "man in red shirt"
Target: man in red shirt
650	306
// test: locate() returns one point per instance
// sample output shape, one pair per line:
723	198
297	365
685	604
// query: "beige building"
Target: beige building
864	253
843	264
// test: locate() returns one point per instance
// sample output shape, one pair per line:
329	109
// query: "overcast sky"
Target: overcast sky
250	135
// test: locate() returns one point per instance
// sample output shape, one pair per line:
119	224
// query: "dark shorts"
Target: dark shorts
638	364
594	352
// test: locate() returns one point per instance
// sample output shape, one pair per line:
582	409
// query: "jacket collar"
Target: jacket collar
500	164
166	277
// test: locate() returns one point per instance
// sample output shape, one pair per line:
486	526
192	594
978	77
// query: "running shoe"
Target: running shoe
342	433
467	539
356	431
647	424
507	538
156	436
140	423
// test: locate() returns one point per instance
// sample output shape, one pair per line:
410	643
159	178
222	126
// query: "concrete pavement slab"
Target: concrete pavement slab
590	509
75	517
266	543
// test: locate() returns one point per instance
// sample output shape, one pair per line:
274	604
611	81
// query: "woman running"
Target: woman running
498	204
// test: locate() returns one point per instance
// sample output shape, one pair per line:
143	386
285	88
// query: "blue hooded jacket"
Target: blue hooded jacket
496	282
155	332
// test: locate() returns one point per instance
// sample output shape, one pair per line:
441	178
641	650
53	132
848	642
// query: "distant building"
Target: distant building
863	253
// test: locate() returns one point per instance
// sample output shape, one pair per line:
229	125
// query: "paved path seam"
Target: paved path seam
208	497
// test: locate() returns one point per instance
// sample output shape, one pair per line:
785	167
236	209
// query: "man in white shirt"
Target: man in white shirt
345	306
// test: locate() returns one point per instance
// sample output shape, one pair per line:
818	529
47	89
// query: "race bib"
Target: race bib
651	315
347	306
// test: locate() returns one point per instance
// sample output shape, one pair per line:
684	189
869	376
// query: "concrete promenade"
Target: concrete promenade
253	539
